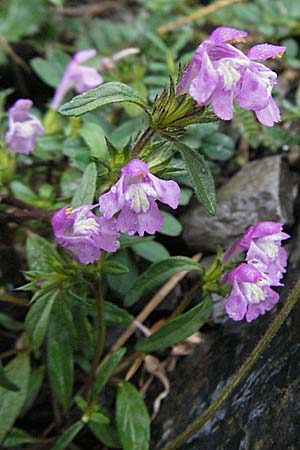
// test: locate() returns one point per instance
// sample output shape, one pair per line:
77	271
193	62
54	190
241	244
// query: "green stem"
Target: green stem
242	372
186	300
101	329
142	141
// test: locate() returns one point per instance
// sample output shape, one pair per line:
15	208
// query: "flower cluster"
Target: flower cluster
220	72
266	261
130	207
23	128
82	77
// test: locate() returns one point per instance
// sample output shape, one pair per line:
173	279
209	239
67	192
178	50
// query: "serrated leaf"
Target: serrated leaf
106	94
37	319
106	370
176	330
67	437
132	418
11	402
156	274
85	193
200	176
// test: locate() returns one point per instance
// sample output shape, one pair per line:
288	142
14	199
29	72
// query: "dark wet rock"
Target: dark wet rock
262	190
264	411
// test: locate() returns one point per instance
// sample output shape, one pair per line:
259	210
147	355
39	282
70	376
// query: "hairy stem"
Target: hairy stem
242	372
142	141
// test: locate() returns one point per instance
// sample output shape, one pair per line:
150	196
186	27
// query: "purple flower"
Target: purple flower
264	250
135	195
83	234
219	72
82	77
23	128
251	294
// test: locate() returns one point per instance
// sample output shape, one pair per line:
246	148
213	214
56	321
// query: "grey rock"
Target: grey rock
264	411
262	190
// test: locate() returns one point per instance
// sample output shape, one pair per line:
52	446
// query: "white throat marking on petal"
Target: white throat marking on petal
137	195
84	225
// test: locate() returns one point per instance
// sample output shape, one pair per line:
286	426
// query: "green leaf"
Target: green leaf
5	383
86	191
171	226
37	319
11	402
94	137
23	192
105	94
128	241
115	268
132	418
106	433
39	253
106	370
157	274
200	176
35	383
67	437
218	146
10	324
22	19
60	362
122	284
15	437
114	315
176	330
152	251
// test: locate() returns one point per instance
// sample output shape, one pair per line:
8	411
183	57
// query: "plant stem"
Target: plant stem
101	328
242	372
186	300
142	141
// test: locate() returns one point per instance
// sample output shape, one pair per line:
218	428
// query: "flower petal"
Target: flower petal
254	91
206	81
227	34
270	114
265	51
168	191
151	221
222	102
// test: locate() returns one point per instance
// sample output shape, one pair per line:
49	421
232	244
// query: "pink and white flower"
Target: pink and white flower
220	72
134	197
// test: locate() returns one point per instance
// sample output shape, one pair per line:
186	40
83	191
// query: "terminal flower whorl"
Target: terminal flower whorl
266	262
23	128
220	72
83	234
134	198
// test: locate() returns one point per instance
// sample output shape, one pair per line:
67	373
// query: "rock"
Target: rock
261	190
264	411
